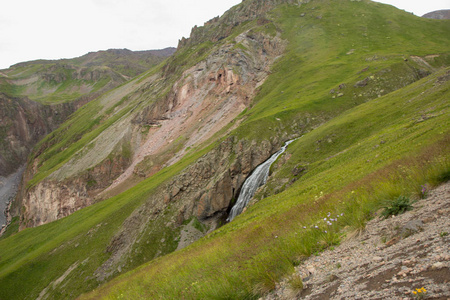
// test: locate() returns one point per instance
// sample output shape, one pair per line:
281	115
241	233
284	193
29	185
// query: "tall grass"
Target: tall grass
244	262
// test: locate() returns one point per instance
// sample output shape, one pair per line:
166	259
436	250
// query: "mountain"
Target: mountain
443	14
37	96
129	197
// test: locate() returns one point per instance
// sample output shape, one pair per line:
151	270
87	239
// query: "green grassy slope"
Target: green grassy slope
352	177
66	80
372	145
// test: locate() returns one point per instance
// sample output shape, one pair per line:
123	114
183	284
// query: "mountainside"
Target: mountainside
155	164
37	96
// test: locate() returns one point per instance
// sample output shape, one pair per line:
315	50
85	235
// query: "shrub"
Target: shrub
396	207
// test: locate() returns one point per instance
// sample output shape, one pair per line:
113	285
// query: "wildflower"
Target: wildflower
304	227
342	214
325	231
424	191
420	293
316	226
324	219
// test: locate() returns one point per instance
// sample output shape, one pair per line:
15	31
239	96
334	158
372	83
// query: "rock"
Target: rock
437	266
392	241
362	83
377	259
412	227
311	269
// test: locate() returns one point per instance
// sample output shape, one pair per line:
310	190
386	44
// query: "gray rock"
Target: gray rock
362	83
412	227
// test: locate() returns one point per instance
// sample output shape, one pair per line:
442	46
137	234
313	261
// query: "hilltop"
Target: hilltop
443	14
129	197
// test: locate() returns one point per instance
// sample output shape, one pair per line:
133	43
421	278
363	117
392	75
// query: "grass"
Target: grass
264	243
71	240
366	149
57	81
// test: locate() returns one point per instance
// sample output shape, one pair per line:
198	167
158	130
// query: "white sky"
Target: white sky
52	29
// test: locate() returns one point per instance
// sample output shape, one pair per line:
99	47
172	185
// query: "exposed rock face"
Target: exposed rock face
218	28
51	200
73	196
22	124
203	99
205	190
443	14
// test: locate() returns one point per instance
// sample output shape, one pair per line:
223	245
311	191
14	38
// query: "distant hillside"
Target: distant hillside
443	14
37	96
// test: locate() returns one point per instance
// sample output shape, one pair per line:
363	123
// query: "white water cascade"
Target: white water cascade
252	183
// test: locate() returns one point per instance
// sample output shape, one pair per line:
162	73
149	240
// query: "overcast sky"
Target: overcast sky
52	29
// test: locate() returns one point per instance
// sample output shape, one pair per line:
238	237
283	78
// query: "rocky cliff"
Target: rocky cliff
156	127
37	96
22	124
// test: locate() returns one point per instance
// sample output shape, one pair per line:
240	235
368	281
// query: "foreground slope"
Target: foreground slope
349	81
385	261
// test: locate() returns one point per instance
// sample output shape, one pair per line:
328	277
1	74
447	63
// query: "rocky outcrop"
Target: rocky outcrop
205	191
40	207
443	14
217	28
52	199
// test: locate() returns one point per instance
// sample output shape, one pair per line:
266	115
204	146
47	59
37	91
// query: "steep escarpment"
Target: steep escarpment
31	90
22	124
152	122
37	96
204	192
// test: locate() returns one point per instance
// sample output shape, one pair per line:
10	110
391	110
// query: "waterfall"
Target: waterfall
252	183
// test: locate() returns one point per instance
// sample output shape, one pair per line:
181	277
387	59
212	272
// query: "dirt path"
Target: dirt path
389	260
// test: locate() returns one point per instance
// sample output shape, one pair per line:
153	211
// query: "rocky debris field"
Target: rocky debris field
390	259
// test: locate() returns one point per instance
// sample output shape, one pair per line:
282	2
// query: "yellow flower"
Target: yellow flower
414	292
